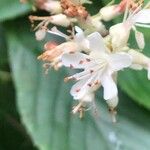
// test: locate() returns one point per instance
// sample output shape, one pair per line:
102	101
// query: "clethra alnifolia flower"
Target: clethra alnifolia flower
88	46
99	67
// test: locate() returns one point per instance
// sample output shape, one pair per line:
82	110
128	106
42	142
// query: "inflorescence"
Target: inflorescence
90	46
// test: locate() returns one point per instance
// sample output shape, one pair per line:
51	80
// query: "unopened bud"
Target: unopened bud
109	12
99	26
53	6
60	19
139	58
119	36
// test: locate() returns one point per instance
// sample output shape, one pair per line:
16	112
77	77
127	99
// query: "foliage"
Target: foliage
44	104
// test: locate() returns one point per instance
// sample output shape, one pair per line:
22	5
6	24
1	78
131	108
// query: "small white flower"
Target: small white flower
98	67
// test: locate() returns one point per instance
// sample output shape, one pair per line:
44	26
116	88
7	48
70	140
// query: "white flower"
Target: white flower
98	67
122	30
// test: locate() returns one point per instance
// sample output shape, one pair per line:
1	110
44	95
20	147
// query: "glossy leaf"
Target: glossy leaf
12	8
45	105
136	83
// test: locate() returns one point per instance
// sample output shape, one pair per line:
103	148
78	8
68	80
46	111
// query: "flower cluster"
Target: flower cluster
89	46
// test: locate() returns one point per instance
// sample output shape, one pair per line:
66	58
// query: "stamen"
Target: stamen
89	84
76	108
69	78
81	62
91	71
78	90
71	52
47	66
88	60
71	66
37	18
97	82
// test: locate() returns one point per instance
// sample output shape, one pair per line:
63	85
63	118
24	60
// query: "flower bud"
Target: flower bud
139	58
53	6
99	26
109	12
119	36
40	34
60	19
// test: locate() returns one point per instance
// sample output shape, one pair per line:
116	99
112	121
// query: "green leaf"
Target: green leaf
136	83
12	8
10	126
44	104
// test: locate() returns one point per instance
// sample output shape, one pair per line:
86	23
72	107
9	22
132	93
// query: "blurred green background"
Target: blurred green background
35	109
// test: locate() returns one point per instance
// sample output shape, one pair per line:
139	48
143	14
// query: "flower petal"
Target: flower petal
55	31
75	60
84	86
77	90
110	88
96	42
119	61
79	36
78	29
143	16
